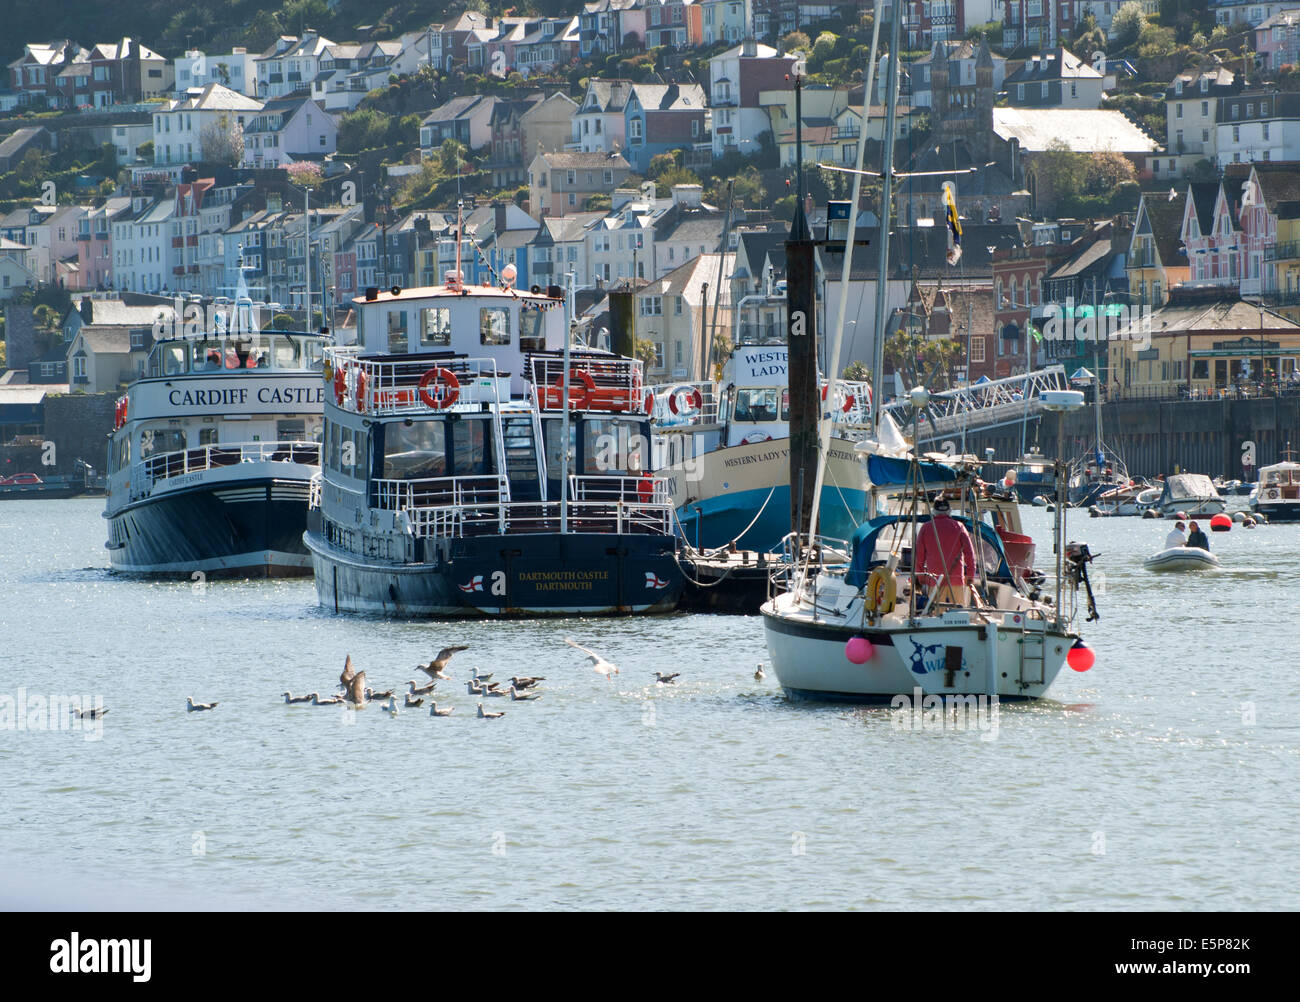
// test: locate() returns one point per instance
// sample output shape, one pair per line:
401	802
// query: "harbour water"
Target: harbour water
1160	779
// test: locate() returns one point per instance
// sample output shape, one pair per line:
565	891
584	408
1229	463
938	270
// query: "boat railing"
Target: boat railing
644	490
410	384
314	488
602	383
683	405
440	492
452	521
853	403
153	470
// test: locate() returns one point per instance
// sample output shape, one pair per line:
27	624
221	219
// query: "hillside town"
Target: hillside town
1110	157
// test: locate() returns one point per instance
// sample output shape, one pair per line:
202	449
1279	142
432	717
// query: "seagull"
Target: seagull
437	668
758	674
191	706
515	694
663	679
489	715
421	690
435	712
412	701
526	681
481	677
391	707
598	664
493	691
291	698
477	688
345	679
376	696
316	700
356	693
94	713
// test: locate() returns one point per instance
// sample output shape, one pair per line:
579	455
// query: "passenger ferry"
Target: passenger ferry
444	489
724	451
1277	496
212	454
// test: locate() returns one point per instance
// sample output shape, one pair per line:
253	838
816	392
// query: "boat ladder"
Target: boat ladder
1033	654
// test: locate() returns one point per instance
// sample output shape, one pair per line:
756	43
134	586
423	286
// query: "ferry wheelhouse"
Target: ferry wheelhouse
445	487
723	449
212	454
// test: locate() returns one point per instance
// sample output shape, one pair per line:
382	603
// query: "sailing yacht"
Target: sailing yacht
859	620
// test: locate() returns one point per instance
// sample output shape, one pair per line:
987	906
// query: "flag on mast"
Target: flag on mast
954	223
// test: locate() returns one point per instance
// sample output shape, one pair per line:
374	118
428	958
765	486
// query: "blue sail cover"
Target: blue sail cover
885	471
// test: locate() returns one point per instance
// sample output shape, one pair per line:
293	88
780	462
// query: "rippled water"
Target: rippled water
1161	779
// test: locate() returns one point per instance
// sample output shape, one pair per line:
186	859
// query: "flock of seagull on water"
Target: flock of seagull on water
355	693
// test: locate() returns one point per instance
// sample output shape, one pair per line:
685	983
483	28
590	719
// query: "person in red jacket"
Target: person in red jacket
945	556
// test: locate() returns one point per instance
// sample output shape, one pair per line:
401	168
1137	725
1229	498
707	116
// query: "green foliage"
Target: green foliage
991	30
1127	24
783	207
280	322
677	175
1083	184
661	163
796	40
365	129
856	372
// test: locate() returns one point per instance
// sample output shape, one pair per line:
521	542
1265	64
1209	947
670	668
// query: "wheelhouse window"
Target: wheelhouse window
761	405
416	451
494	325
172	358
397	338
435	327
612	445
160	441
287	352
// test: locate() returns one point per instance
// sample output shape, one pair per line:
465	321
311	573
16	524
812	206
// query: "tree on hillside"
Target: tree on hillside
222	142
678	175
1127	24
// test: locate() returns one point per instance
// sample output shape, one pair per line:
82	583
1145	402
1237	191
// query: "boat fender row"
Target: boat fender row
882	591
119	412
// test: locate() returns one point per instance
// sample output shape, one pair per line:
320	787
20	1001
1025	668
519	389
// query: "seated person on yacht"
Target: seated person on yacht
1197	538
1176	537
944	547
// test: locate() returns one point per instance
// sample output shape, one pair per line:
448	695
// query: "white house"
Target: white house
235	69
1258	126
736	78
178	126
290	64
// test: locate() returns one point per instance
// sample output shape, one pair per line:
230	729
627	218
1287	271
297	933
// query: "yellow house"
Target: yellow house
1204	341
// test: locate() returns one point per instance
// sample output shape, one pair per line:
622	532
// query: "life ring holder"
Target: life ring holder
445	395
583	400
340	385
849	399
694	400
882	592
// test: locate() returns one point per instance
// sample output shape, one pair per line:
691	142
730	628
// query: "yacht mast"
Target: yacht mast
886	198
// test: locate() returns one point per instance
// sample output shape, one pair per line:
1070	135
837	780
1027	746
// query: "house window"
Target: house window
435	327
1205	108
1177	114
977	349
494	325
652	306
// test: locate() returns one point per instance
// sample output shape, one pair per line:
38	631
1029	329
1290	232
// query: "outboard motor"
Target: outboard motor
1077	559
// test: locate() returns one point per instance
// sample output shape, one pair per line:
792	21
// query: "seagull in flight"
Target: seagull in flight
598	664
191	706
356	694
437	668
349	673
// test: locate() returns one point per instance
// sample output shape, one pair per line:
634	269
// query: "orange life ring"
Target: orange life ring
361	391
583	400
446	392
694	401
849	399
649	401
340	385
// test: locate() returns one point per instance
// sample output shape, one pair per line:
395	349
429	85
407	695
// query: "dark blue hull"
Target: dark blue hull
240	528
541	574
